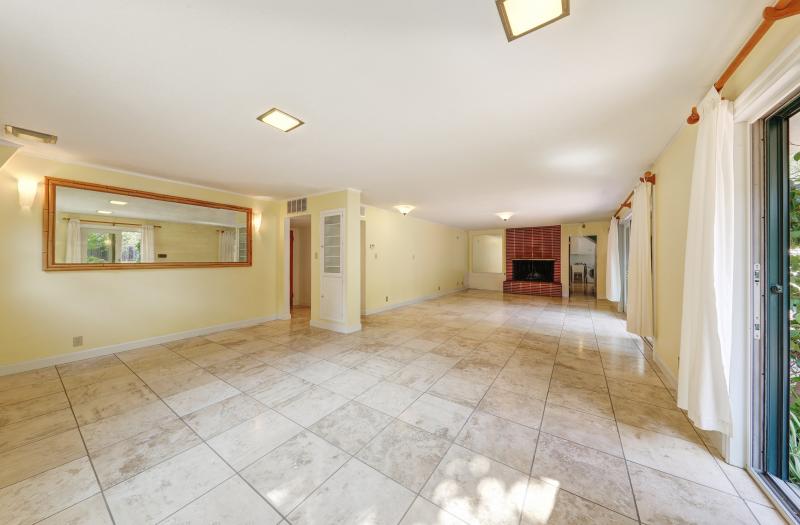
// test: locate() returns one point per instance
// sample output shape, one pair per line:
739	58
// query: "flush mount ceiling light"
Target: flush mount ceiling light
104	212
278	119
29	134
405	209
118	203
521	17
505	215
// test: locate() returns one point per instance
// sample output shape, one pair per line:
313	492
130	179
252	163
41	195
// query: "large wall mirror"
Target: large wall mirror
487	254
89	226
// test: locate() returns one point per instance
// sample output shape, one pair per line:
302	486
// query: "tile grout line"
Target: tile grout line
450	446
700	442
203	441
619	435
85	448
541	421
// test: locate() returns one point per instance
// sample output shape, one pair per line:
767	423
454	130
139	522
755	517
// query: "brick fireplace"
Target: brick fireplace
536	250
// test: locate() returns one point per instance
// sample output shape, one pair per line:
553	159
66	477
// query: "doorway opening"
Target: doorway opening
300	265
583	266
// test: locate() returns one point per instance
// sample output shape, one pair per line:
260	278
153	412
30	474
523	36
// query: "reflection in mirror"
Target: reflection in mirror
102	227
487	254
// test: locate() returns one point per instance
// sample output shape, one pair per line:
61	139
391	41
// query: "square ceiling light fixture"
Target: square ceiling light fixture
278	119
521	17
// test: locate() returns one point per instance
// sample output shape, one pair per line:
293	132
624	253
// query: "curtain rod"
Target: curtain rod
647	177
782	9
112	223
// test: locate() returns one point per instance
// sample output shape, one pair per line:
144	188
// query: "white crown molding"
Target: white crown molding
772	87
56	158
121	347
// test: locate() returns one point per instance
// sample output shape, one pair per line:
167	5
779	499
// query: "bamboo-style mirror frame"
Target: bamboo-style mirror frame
49	218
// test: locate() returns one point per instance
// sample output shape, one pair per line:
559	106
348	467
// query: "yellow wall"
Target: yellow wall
600	229
486	281
41	311
673	169
411	258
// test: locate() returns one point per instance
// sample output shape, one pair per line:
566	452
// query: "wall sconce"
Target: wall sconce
256	221
27	188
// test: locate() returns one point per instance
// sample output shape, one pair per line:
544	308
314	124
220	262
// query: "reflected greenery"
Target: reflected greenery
794	321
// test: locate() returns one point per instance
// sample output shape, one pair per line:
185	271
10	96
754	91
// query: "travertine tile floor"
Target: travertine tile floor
474	408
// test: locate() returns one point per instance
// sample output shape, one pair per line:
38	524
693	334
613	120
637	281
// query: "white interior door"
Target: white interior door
332	266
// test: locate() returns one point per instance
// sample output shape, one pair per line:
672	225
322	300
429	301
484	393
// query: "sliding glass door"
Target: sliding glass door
781	296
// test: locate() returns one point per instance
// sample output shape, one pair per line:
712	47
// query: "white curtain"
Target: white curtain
640	270
706	328
613	278
73	241
228	249
147	253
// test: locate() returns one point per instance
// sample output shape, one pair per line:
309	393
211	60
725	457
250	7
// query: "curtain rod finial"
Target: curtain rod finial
694	118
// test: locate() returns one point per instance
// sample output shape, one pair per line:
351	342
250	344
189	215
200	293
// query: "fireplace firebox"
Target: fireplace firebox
534	270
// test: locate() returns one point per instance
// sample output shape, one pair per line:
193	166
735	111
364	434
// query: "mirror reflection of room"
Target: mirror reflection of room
583	265
95	227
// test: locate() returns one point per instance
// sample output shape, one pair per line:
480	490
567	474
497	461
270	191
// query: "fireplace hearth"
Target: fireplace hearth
533	270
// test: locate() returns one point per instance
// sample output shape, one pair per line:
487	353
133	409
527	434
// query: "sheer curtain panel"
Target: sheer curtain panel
706	328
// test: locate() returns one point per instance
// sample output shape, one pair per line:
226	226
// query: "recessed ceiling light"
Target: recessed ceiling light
104	212
118	203
521	17
505	215
278	119
29	134
405	209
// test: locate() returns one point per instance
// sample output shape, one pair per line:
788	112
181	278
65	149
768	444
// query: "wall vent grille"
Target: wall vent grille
296	205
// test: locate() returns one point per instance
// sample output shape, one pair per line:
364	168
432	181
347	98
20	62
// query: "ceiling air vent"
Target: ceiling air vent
296	205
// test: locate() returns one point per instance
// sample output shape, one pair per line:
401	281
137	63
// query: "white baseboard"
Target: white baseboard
121	347
336	327
665	371
416	300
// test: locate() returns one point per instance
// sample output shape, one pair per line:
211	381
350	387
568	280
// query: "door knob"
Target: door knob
776	289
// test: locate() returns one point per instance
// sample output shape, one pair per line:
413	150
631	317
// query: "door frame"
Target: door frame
569	264
771	345
288	267
772	90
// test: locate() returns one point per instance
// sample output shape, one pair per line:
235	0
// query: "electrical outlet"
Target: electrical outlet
77	341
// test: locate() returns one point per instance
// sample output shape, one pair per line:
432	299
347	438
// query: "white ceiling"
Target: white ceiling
73	200
416	101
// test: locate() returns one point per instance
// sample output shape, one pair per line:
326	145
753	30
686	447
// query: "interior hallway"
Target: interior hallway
472	408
